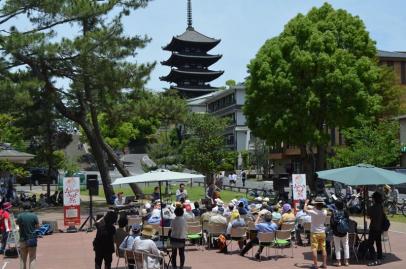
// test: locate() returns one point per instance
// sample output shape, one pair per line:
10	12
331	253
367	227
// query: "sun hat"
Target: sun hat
147	205
266	199
7	205
136	228
234	201
254	210
219	202
147	230
188	207
286	208
230	205
318	200
258	199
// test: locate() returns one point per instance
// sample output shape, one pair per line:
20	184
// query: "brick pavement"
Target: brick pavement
62	250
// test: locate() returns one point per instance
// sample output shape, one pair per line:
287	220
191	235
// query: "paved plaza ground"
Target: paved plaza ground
63	250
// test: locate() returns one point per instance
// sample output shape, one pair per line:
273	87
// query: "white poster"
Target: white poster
71	191
299	186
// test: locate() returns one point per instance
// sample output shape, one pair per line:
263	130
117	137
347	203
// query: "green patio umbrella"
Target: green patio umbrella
363	174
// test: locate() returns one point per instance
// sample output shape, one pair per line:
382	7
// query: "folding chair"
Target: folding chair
147	255
327	221
385	240
352	243
214	231
306	230
237	234
131	258
266	240
288	226
283	238
134	220
194	233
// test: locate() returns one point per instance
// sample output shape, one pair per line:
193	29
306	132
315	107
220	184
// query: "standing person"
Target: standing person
27	223
377	216
121	232
340	223
318	234
181	192
5	224
155	195
234	177
243	177
178	237
103	244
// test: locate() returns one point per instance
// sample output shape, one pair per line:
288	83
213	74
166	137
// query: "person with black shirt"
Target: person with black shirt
340	234
103	244
376	215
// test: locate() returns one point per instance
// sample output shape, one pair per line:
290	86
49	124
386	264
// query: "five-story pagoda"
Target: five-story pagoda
189	61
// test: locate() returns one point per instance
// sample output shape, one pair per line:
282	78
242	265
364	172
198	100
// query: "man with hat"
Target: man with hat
318	234
268	226
145	244
128	242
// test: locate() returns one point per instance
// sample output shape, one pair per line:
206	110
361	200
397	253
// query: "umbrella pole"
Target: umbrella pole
162	216
366	194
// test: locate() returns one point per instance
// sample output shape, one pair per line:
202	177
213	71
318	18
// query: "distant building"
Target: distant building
227	103
190	62
396	61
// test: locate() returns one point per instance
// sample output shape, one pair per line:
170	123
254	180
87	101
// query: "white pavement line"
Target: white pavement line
4	265
397	232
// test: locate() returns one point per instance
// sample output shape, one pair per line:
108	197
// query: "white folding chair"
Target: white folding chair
194	233
283	238
267	240
352	243
214	231
237	234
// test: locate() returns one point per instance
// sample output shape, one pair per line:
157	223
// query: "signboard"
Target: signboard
71	201
299	186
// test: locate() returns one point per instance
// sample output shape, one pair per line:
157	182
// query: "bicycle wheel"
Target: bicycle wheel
403	209
391	209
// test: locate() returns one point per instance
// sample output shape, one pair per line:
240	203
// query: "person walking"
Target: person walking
377	216
340	224
103	244
27	223
5	225
318	230
178	237
243	177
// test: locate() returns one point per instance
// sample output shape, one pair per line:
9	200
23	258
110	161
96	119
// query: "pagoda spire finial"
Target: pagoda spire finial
189	14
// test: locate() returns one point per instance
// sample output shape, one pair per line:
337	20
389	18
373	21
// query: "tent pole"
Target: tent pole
366	194
162	216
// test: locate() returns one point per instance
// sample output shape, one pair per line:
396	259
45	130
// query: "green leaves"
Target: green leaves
320	71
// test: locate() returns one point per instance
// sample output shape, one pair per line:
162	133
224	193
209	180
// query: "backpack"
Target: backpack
222	242
342	223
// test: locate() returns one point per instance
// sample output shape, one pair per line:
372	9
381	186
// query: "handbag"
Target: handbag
31	243
11	252
385	224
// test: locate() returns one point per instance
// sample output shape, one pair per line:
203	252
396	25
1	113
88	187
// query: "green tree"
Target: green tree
320	72
371	143
94	63
204	147
9	132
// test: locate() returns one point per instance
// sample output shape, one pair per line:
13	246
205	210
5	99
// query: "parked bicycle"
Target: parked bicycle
394	207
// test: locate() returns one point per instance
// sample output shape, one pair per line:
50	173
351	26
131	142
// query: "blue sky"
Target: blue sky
244	25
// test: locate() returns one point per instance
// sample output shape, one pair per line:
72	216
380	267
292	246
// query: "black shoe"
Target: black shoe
258	256
242	254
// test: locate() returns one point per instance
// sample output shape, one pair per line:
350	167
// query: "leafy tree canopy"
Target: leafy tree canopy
371	143
321	71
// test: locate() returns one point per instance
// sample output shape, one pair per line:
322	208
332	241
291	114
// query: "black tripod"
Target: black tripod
90	218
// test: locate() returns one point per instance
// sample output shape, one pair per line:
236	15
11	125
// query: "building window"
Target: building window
403	72
229	140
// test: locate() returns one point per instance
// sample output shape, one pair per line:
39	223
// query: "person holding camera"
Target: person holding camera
181	192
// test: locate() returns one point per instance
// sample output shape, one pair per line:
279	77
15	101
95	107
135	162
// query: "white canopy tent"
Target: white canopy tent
156	176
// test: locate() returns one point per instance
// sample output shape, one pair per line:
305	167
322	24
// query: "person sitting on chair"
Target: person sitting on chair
181	192
264	227
120	200
128	242
145	244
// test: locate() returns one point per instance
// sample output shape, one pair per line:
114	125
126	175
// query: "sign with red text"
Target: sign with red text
299	186
71	201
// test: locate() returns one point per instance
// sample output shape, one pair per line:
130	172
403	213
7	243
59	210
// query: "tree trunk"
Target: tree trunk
98	154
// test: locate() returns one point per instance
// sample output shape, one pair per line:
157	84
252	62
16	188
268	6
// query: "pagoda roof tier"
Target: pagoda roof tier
178	59
194	91
197	74
192	39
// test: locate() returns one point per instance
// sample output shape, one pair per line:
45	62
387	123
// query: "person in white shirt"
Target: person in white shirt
188	214
318	235
120	200
181	192
145	244
178	237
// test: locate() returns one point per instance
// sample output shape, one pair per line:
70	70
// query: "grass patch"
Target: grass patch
398	218
194	193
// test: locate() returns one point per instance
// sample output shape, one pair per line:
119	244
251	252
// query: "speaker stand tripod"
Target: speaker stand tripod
90	218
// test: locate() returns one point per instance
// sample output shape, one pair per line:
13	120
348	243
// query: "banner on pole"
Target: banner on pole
71	201
299	186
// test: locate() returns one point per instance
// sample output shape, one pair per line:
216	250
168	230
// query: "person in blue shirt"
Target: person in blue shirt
128	242
268	226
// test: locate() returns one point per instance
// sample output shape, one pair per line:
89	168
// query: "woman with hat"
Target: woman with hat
144	243
178	237
5	224
287	214
317	230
